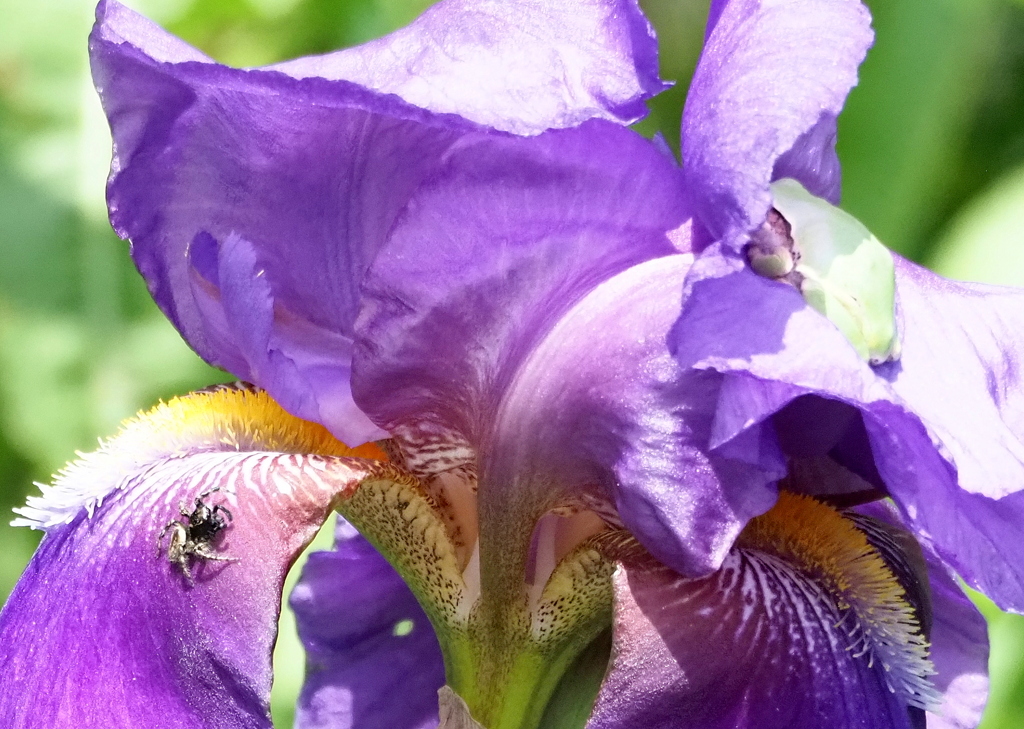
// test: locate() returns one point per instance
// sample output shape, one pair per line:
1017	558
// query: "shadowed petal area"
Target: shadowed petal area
105	630
373	661
523	66
945	424
752	646
769	85
305	367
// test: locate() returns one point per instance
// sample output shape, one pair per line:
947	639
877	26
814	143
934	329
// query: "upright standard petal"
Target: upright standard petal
505	238
517	275
153	598
310	166
522	67
763	103
944	424
373	661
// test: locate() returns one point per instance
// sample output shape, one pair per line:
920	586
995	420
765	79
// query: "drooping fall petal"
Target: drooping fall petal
106	629
752	646
816	618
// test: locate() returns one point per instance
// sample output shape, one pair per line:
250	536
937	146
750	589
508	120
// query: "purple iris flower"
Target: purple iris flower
569	403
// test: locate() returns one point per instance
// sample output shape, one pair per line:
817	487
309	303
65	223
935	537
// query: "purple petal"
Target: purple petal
960	654
945	424
521	308
505	238
104	630
312	171
770	83
305	367
601	395
523	66
373	661
752	646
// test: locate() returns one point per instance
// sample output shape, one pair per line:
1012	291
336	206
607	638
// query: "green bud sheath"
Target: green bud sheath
847	274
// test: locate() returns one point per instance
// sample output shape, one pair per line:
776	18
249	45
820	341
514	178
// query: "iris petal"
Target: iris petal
106	630
601	396
505	238
372	659
522	67
945	423
771	80
311	161
310	173
517	275
753	645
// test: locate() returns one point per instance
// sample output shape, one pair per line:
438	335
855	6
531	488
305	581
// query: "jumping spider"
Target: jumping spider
194	537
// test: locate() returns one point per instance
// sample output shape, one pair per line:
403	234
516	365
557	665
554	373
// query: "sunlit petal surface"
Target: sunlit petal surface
523	66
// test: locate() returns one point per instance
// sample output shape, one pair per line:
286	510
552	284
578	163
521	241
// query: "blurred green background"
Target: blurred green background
932	143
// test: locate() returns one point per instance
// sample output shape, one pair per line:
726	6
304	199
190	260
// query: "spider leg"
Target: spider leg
183	509
219	508
207	493
160	539
203	551
183	563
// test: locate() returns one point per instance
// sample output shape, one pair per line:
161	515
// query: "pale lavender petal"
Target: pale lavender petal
522	66
103	630
962	372
770	83
945	423
372	660
752	646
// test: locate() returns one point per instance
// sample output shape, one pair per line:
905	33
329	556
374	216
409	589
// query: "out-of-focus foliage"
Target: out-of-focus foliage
932	143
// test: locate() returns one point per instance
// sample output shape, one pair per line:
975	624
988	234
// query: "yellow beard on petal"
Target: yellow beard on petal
236	418
220	419
828	547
